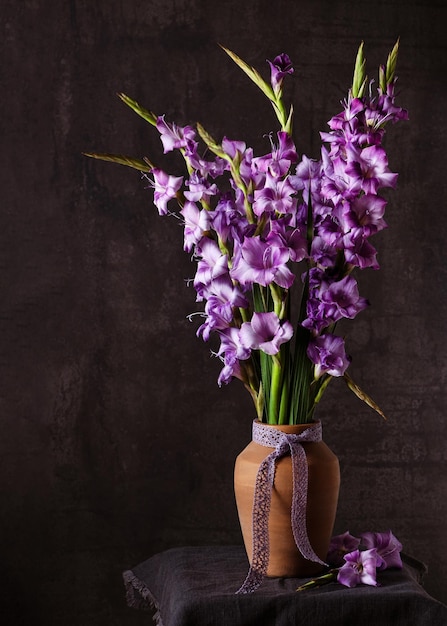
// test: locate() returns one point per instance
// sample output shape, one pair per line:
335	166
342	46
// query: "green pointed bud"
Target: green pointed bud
288	126
382	78
252	74
138	164
212	144
141	111
362	395
391	63
359	79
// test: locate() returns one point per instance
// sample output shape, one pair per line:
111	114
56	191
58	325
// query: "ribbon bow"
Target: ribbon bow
283	443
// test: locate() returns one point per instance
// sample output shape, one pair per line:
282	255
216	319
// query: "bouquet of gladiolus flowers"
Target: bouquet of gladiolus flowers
356	560
277	237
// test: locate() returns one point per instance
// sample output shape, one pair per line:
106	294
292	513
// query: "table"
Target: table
195	586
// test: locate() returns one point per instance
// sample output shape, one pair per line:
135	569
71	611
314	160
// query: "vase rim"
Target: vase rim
290	429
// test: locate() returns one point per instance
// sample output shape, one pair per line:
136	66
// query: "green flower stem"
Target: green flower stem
253	386
245	314
243	187
283	417
280	111
330	577
275	391
279	301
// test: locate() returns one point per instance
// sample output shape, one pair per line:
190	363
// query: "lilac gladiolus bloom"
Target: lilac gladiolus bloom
265	332
359	252
368	211
211	265
222	296
388	548
307	176
330	301
386	109
340	546
228	220
279	68
328	354
262	262
197	222
278	162
173	136
371	165
233	147
199	188
360	567
231	351
342	299
165	188
275	197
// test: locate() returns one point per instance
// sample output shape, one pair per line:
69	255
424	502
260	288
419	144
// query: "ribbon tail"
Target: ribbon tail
261	508
299	503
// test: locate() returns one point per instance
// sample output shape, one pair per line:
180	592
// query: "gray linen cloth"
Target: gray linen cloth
195	586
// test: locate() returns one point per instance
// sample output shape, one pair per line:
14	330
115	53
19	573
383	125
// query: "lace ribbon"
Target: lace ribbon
265	435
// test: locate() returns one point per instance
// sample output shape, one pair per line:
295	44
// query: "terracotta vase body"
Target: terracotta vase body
322	497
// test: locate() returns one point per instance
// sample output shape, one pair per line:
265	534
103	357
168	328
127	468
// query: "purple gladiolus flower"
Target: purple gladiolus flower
173	136
360	567
199	188
222	297
197	222
205	168
340	546
231	351
358	251
278	162
367	212
330	301
228	220
323	251
342	299
371	166
263	262
307	176
328	354
275	197
384	109
165	188
296	241
211	265
265	332
353	107
388	548
233	148
279	68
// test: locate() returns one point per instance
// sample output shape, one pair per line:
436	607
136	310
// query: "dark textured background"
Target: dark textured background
115	440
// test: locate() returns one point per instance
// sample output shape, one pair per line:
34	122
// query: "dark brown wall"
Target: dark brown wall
115	441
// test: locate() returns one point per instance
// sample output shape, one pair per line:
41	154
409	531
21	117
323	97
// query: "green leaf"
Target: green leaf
260	402
149	116
138	164
362	395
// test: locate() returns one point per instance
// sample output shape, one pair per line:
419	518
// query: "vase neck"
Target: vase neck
271	435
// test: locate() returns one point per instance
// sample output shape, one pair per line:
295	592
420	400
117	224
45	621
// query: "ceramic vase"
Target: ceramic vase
323	484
